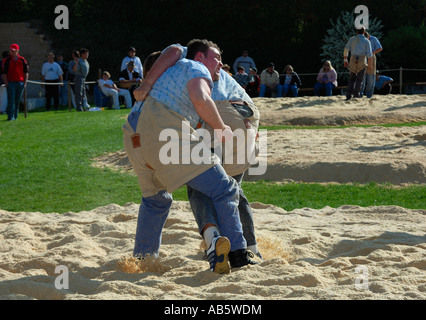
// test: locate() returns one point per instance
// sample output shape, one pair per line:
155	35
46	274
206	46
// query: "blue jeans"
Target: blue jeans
216	185
63	94
328	87
153	213
263	89
368	85
14	95
80	92
204	211
283	90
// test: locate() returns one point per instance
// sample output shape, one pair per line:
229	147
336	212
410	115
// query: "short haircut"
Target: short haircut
360	30
83	51
197	45
76	53
107	74
149	62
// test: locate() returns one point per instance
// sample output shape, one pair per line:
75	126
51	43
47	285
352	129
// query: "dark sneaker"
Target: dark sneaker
217	255
241	258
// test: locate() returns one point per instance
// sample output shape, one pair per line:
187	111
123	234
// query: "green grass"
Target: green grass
45	162
316	196
45	165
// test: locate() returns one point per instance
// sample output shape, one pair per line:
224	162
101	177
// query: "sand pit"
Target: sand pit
332	111
344	253
333	253
376	154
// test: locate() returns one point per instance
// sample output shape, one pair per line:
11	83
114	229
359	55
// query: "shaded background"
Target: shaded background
284	32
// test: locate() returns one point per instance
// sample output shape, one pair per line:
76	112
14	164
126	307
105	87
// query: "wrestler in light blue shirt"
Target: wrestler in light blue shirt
359	45
226	88
171	88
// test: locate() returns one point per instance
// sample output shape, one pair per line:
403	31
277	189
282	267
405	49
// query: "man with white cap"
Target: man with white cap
14	72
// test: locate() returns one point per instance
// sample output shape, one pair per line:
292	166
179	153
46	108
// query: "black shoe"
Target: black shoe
240	258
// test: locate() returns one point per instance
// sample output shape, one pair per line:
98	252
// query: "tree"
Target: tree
407	47
338	35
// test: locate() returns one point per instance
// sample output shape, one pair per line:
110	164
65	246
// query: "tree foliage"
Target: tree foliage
408	45
284	32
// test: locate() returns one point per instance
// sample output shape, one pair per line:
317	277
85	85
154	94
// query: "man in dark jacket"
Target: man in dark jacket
130	79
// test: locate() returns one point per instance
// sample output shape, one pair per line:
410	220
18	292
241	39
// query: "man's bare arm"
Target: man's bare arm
167	59
199	93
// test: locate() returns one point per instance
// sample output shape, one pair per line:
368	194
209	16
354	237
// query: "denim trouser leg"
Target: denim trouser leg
370	82
317	88
361	93
246	215
262	90
329	89
80	92
285	89
280	91
223	191
153	213
14	95
127	97
294	90
63	93
204	211
10	109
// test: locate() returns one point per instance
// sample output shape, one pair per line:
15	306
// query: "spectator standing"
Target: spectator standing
360	49
326	80
132	57
63	92
51	74
244	61
71	75
14	72
289	81
370	75
81	69
269	81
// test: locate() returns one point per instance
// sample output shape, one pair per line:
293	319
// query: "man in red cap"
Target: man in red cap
14	71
